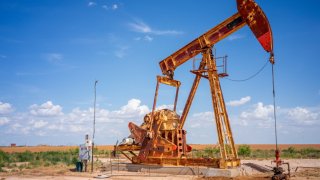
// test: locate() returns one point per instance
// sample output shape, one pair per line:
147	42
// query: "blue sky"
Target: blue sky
51	52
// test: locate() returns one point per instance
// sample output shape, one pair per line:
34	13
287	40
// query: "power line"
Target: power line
252	76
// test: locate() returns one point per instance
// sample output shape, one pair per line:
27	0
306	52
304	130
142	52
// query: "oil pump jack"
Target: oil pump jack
161	139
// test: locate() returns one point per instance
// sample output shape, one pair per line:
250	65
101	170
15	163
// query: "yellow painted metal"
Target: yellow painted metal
191	96
168	81
226	142
228	153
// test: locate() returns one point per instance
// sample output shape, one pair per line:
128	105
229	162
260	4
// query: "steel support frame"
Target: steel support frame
208	69
227	147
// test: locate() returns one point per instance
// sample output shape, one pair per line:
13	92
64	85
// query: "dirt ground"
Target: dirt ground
250	169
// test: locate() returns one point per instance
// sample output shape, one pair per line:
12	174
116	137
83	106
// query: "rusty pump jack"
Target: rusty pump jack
161	138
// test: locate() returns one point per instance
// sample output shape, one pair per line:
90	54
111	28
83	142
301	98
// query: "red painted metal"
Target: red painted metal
257	21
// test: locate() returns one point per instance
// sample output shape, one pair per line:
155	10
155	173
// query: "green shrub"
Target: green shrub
37	159
291	150
211	152
244	150
310	153
4	157
197	153
26	156
262	154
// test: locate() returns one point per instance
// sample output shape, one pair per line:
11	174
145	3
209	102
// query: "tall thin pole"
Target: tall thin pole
94	121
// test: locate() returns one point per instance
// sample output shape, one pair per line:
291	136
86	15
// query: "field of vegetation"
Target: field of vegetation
28	160
69	156
246	152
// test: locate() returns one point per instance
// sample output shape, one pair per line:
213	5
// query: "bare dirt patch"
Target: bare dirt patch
250	169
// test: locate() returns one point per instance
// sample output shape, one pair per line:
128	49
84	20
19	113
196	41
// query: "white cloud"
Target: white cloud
38	124
115	132
80	116
46	109
120	48
200	120
92	4
195	125
141	27
260	115
260	112
263	115
148	38
242	122
77	121
121	52
115	6
204	116
165	106
76	128
15	126
41	133
303	116
235	37
240	102
4	120
111	7
54	57
166	32
55	127
105	7
113	123
80	121
145	38
25	130
132	109
5	108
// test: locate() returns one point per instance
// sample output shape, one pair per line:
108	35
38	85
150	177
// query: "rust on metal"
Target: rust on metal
161	139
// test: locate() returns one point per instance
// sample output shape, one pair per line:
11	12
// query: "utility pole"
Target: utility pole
94	121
